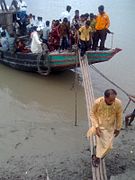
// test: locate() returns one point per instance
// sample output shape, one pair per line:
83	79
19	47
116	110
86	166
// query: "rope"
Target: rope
99	72
129	96
45	62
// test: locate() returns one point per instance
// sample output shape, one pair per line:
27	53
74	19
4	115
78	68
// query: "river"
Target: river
37	113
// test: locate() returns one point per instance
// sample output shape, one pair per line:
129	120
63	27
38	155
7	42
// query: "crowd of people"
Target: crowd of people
83	30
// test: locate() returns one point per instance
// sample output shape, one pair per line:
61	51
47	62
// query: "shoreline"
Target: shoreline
68	165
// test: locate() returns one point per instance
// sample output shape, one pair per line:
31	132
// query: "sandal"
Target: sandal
95	161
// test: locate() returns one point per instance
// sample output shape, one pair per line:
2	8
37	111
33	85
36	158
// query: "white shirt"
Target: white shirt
22	6
46	31
33	22
1	30
36	43
65	14
40	25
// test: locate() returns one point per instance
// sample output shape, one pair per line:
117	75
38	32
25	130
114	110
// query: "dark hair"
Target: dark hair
86	15
88	23
101	8
91	15
82	16
65	20
57	22
30	15
77	26
34	28
77	11
68	8
3	34
47	23
40	18
110	92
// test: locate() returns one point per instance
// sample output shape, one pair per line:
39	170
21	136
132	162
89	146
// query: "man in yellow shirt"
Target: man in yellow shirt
102	25
85	37
106	117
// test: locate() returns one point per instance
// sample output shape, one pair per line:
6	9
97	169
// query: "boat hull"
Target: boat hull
56	61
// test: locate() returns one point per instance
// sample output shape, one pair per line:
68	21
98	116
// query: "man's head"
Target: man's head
87	24
68	8
101	9
33	16
40	18
86	16
82	17
92	16
3	34
30	16
65	20
47	23
77	13
110	95
57	22
34	28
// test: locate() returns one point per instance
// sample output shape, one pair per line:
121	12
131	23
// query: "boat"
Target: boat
49	61
53	61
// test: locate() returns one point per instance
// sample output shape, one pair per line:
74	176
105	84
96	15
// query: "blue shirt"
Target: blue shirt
4	44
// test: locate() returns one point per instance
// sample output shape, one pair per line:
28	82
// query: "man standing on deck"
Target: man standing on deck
85	38
102	25
66	14
106	117
3	5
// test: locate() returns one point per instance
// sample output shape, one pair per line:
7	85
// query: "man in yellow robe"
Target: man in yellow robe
106	117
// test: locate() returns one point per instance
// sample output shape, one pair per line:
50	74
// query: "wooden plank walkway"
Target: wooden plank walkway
100	172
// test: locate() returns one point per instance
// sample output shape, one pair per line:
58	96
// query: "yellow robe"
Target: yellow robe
107	118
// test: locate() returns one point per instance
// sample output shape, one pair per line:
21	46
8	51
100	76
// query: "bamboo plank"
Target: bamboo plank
100	172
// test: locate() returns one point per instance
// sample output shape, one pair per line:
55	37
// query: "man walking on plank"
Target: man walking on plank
106	117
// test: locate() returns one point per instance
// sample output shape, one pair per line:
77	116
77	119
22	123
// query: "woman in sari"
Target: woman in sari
54	37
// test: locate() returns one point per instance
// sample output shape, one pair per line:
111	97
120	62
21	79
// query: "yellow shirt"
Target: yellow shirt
102	22
85	33
93	24
107	116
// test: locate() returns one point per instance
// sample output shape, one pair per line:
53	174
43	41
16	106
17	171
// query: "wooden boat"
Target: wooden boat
44	64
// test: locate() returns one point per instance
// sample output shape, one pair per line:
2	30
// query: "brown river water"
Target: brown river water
37	113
